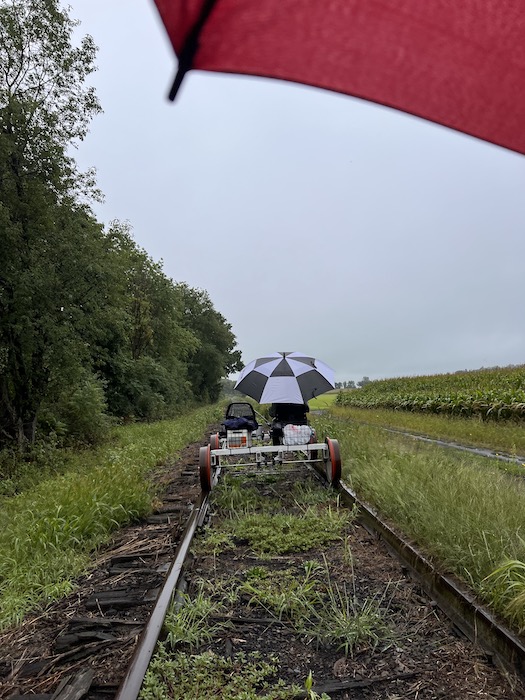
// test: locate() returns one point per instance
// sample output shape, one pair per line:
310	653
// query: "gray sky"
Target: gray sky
380	243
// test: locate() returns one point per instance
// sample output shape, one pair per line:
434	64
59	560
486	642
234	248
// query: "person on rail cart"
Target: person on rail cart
286	414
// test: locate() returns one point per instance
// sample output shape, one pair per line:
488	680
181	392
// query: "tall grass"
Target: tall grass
463	510
48	533
505	437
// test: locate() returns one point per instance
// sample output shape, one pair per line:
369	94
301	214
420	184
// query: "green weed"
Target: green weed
506	585
189	623
235	497
283	592
345	622
310	692
208	677
279	533
215	542
48	533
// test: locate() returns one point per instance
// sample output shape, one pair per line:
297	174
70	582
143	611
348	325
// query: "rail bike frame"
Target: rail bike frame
219	455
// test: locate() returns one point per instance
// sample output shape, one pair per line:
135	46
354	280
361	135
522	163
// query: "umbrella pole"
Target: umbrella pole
190	47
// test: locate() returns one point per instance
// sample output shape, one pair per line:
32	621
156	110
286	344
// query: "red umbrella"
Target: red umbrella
460	63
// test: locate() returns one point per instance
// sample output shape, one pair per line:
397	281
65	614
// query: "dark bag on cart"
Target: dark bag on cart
240	423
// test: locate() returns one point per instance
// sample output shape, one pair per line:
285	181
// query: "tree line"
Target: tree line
90	326
351	384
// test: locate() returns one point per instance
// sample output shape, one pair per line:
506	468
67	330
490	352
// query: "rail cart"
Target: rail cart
243	442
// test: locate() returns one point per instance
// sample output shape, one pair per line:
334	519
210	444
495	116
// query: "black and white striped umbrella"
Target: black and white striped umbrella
285	377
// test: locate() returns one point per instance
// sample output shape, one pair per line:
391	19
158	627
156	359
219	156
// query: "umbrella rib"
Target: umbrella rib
190	47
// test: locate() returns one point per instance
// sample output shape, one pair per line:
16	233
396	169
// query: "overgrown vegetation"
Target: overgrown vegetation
324	401
190	622
279	533
90	326
463	510
340	619
303	595
48	533
506	586
506	437
208	676
492	394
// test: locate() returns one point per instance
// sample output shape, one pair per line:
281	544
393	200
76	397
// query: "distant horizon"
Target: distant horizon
233	377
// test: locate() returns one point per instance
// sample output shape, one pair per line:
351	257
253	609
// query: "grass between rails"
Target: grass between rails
209	676
48	533
505	437
463	510
304	595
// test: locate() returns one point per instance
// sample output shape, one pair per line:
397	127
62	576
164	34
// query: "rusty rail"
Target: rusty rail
130	686
506	649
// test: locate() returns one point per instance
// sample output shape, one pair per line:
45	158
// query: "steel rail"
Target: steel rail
131	684
506	649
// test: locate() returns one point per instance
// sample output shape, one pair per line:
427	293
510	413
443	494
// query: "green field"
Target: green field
324	401
490	394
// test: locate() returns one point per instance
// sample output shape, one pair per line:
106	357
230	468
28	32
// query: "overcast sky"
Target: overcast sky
380	243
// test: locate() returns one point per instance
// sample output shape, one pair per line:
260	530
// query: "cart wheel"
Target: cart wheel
333	464
205	468
214	441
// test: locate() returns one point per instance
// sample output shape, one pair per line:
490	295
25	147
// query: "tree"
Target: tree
61	301
87	319
145	370
228	387
44	110
215	356
45	107
350	384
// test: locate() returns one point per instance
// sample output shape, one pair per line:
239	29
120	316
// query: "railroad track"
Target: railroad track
101	647
81	646
449	444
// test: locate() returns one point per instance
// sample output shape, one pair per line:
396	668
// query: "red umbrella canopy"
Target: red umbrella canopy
460	63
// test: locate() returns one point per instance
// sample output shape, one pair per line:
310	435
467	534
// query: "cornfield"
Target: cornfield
496	393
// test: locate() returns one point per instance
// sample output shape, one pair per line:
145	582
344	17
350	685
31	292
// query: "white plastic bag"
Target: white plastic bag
296	434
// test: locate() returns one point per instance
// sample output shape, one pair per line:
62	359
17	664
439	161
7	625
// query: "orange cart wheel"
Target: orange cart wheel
333	464
215	443
205	468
